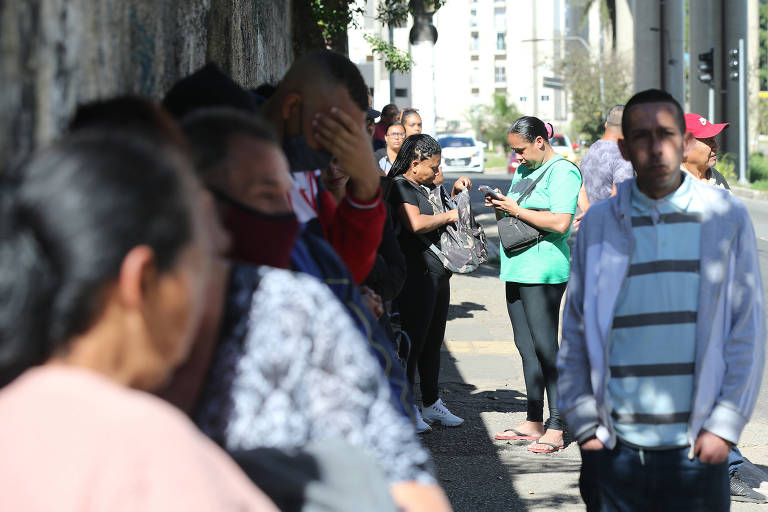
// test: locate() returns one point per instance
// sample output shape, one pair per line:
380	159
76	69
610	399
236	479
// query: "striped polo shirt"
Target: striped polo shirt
653	338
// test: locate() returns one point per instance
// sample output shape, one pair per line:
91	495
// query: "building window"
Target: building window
473	18
500	74
475	91
500	56
475	42
523	99
474	57
501	90
500	17
401	93
501	41
545	97
474	78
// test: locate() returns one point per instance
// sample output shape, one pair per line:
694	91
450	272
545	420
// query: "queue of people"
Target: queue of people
232	285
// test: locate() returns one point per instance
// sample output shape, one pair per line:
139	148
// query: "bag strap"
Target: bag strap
530	188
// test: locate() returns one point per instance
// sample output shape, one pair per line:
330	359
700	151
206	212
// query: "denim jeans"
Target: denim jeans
735	460
628	479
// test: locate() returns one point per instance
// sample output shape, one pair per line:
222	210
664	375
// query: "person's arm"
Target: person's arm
355	232
744	348
416	222
575	397
563	185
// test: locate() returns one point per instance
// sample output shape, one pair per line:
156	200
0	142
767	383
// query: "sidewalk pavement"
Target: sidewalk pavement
482	381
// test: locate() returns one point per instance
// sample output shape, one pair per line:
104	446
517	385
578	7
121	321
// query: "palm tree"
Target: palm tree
607	15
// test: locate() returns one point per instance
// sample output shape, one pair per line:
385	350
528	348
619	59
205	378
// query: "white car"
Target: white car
462	153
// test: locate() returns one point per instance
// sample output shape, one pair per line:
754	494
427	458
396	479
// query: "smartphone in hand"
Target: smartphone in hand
485	189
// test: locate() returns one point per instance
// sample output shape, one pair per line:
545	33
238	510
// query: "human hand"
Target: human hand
592	444
462	184
452	216
577	222
350	144
373	301
505	204
489	197
710	448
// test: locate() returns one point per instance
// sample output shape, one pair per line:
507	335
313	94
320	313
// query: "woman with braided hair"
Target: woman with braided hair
424	299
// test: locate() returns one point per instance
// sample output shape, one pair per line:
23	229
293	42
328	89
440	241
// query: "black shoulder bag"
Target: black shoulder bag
516	234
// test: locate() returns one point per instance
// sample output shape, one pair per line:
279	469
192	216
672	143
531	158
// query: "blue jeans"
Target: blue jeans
735	460
626	479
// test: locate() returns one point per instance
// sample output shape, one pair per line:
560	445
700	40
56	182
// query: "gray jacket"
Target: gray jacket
730	328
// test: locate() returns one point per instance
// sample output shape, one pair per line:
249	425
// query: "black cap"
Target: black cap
372	114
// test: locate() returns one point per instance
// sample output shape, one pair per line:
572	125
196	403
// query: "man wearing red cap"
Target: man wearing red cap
702	157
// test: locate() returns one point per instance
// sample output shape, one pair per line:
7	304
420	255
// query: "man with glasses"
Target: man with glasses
385	157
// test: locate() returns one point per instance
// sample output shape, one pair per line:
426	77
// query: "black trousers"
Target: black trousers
423	305
534	310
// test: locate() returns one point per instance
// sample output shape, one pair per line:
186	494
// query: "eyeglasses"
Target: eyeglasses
396	135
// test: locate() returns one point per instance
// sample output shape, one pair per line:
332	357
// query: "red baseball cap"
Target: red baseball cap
701	128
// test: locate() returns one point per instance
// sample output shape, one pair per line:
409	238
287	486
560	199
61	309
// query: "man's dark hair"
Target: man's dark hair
652	96
529	127
210	130
129	113
264	90
340	70
396	123
416	147
206	87
391	108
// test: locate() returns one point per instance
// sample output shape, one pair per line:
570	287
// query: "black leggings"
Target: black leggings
423	305
534	310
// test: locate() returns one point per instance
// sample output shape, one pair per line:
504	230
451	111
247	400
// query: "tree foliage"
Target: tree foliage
491	122
581	74
394	58
763	39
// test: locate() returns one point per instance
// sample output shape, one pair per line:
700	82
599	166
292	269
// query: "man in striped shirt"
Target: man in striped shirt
659	369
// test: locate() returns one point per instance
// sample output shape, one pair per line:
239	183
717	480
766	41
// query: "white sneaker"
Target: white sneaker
439	412
421	425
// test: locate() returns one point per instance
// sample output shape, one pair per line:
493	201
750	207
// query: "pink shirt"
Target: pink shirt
71	440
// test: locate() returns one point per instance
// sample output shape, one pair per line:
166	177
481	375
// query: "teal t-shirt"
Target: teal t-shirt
547	262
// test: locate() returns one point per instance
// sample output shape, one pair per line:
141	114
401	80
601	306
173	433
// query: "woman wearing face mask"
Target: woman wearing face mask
411	121
536	277
101	271
423	302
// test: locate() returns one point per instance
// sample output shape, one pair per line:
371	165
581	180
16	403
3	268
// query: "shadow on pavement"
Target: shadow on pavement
466	458
464	310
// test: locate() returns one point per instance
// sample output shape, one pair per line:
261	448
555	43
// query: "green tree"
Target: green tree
324	23
763	38
491	122
581	74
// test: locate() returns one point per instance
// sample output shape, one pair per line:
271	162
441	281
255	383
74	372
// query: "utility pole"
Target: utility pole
736	61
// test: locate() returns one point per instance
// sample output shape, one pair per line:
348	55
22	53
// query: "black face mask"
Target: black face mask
301	157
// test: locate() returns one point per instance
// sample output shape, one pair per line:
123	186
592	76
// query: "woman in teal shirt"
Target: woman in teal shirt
536	277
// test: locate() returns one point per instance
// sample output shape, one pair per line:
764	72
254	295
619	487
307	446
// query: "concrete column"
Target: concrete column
423	37
734	28
673	34
705	32
423	83
647	49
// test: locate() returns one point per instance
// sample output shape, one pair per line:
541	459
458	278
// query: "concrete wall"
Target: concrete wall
55	54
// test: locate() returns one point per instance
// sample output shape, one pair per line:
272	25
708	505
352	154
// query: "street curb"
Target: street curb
749	193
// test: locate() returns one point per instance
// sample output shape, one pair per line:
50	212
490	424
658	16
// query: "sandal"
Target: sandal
555	448
515	435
